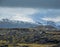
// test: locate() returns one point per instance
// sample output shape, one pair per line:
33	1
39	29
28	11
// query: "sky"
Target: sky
30	10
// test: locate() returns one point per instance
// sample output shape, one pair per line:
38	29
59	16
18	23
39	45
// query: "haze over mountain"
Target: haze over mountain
7	23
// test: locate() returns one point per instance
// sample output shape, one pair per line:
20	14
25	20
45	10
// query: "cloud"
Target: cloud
21	14
45	14
30	14
55	19
31	3
19	17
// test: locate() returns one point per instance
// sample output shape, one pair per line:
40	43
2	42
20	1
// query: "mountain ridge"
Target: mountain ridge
6	23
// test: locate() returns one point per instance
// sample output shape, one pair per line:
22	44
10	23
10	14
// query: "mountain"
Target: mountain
56	25
49	25
6	23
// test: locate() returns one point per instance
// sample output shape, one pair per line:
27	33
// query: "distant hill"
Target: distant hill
6	23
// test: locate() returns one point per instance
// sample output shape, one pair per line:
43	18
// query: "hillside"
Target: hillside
6	23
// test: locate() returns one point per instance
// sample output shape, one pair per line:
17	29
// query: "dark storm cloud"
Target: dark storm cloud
31	3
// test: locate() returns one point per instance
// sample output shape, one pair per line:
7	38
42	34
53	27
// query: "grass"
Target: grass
37	45
32	45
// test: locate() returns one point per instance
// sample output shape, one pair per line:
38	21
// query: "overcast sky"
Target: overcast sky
31	3
30	10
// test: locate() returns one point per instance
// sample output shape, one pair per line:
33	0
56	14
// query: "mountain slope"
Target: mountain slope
6	23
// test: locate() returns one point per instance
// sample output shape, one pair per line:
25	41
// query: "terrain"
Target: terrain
41	36
25	34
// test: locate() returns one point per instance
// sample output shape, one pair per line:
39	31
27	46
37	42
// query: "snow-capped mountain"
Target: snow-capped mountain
6	23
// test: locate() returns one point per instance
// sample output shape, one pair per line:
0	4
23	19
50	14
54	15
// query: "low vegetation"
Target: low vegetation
29	37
